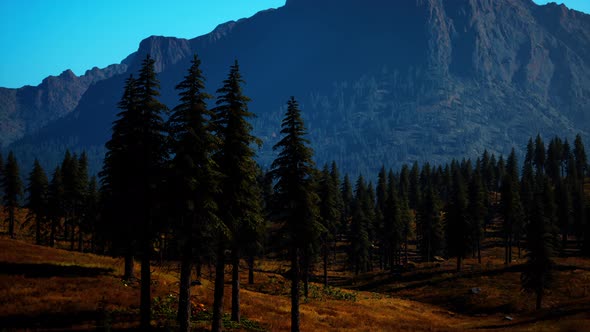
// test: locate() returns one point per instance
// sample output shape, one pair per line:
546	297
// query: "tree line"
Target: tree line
185	182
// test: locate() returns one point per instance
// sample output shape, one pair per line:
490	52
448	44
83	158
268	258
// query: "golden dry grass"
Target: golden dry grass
56	291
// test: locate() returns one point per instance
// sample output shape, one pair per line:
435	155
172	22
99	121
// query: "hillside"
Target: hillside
60	289
46	288
383	82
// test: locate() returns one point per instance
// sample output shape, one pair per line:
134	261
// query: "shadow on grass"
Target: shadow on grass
49	320
434	277
51	270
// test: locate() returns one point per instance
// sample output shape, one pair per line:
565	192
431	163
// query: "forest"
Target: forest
183	185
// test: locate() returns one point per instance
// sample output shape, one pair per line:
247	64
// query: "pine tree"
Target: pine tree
240	195
119	222
12	185
347	199
152	150
81	202
329	214
295	198
540	241
511	207
359	228
457	222
71	182
37	204
133	172
194	177
477	209
394	232
55	198
430	231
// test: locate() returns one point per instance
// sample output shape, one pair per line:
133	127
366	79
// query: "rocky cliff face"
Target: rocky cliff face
380	81
24	110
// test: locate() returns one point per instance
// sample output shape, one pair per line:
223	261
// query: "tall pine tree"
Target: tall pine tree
296	200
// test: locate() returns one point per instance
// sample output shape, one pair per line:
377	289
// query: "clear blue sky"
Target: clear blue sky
44	37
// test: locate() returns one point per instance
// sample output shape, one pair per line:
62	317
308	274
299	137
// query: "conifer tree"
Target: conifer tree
119	222
37	199
394	231
81	202
457	222
347	199
296	201
70	177
240	195
12	185
153	155
329	214
359	228
429	226
55	198
477	209
511	207
91	211
194	177
540	242
134	170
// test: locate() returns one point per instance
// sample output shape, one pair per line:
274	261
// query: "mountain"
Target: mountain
379	81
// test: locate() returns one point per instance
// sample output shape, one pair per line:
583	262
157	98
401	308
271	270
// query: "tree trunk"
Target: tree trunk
199	268
326	265
216	324
184	297
539	299
37	230
11	222
129	273
72	237
478	250
145	296
235	286
406	250
294	290
80	240
52	233
251	270
305	277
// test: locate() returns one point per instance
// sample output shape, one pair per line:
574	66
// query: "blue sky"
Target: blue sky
44	37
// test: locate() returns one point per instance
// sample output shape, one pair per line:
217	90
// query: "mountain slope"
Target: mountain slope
379	81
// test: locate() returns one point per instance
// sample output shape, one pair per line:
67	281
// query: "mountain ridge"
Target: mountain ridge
407	81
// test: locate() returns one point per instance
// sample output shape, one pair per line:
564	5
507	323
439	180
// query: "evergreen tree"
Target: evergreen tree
457	222
429	226
347	199
477	209
91	211
359	229
37	199
12	185
82	184
194	177
72	188
133	172
120	206
540	241
295	198
55	198
511	207
329	214
153	155
240	195
393	232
